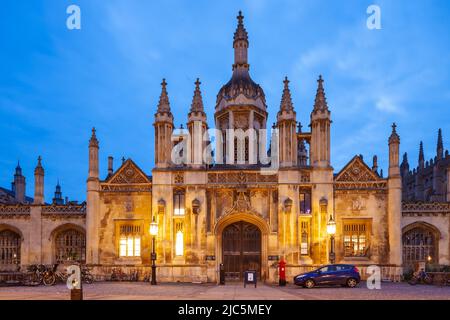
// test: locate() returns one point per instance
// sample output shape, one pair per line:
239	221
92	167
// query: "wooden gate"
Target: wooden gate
241	247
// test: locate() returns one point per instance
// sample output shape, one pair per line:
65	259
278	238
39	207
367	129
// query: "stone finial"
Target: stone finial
163	105
299	127
421	155
405	158
320	102
440	145
286	99
197	100
39	170
241	33
93	142
394	138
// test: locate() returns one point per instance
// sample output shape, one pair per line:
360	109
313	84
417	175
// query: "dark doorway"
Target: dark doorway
241	248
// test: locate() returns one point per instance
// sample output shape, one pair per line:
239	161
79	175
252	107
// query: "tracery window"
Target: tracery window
130	240
70	245
305	201
9	250
304	236
356	237
179	239
419	244
179	202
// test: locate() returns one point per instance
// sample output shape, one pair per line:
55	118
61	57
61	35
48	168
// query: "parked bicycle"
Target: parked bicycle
35	275
86	275
421	277
51	276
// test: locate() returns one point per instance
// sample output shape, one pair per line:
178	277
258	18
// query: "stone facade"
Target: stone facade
235	210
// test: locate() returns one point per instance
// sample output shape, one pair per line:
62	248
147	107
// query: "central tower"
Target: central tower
241	104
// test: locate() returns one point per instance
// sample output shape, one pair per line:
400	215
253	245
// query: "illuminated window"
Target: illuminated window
305	201
178	203
130	241
356	237
179	247
304	244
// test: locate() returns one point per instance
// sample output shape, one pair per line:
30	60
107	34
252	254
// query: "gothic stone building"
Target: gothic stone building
235	212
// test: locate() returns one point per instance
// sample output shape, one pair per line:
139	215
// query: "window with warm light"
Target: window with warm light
130	241
304	244
178	203
179	244
356	237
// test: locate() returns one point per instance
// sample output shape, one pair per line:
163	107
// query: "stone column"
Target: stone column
394	200
93	203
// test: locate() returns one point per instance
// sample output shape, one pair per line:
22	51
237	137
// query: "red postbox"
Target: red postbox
282	272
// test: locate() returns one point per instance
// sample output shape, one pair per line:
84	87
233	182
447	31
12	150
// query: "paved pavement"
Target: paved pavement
233	291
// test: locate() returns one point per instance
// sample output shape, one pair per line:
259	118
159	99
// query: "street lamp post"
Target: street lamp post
153	233
331	230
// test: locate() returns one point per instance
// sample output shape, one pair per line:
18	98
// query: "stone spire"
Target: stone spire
404	166
39	183
58	199
286	100
421	156
240	44
440	145
19	185
320	102
93	172
197	100
164	105
93	142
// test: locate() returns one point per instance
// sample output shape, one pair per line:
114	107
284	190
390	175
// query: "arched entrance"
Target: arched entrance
241	249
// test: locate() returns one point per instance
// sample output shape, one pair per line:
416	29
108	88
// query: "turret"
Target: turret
286	124
197	127
394	200
19	185
418	190
39	183
163	129
240	45
58	199
404	167
320	129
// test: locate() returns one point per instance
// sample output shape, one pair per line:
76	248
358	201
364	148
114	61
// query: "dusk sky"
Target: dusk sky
56	84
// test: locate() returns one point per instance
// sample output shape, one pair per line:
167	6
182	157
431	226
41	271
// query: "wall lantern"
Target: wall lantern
196	206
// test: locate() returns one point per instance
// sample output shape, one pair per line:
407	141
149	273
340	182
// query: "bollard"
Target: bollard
222	274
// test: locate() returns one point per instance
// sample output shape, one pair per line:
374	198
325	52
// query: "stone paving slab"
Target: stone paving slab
231	291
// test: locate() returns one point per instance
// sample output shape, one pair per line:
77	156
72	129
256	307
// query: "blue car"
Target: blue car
333	274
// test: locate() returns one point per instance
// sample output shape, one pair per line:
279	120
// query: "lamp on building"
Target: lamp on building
153	233
331	230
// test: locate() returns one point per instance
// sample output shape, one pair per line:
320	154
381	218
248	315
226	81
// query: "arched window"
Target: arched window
70	245
9	250
420	244
178	202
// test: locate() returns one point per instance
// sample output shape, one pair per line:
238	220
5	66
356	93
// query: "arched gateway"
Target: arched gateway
241	249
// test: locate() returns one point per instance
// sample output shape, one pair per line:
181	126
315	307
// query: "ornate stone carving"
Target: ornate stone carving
357	171
240	177
178	178
425	208
14	211
129	174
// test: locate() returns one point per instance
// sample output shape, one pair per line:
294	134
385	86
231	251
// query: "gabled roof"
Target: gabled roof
8	197
357	171
128	173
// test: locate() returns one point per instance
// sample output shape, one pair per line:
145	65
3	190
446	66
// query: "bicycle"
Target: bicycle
421	277
51	276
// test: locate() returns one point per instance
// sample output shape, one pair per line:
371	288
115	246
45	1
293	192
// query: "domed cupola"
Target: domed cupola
241	90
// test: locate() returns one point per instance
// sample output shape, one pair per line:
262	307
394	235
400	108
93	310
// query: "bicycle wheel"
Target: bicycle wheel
49	280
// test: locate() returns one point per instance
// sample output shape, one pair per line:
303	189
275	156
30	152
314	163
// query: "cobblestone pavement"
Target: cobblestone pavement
233	291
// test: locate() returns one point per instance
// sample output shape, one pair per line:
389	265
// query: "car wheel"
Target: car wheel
309	284
351	282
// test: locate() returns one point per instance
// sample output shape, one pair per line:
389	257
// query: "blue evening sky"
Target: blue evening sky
56	84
